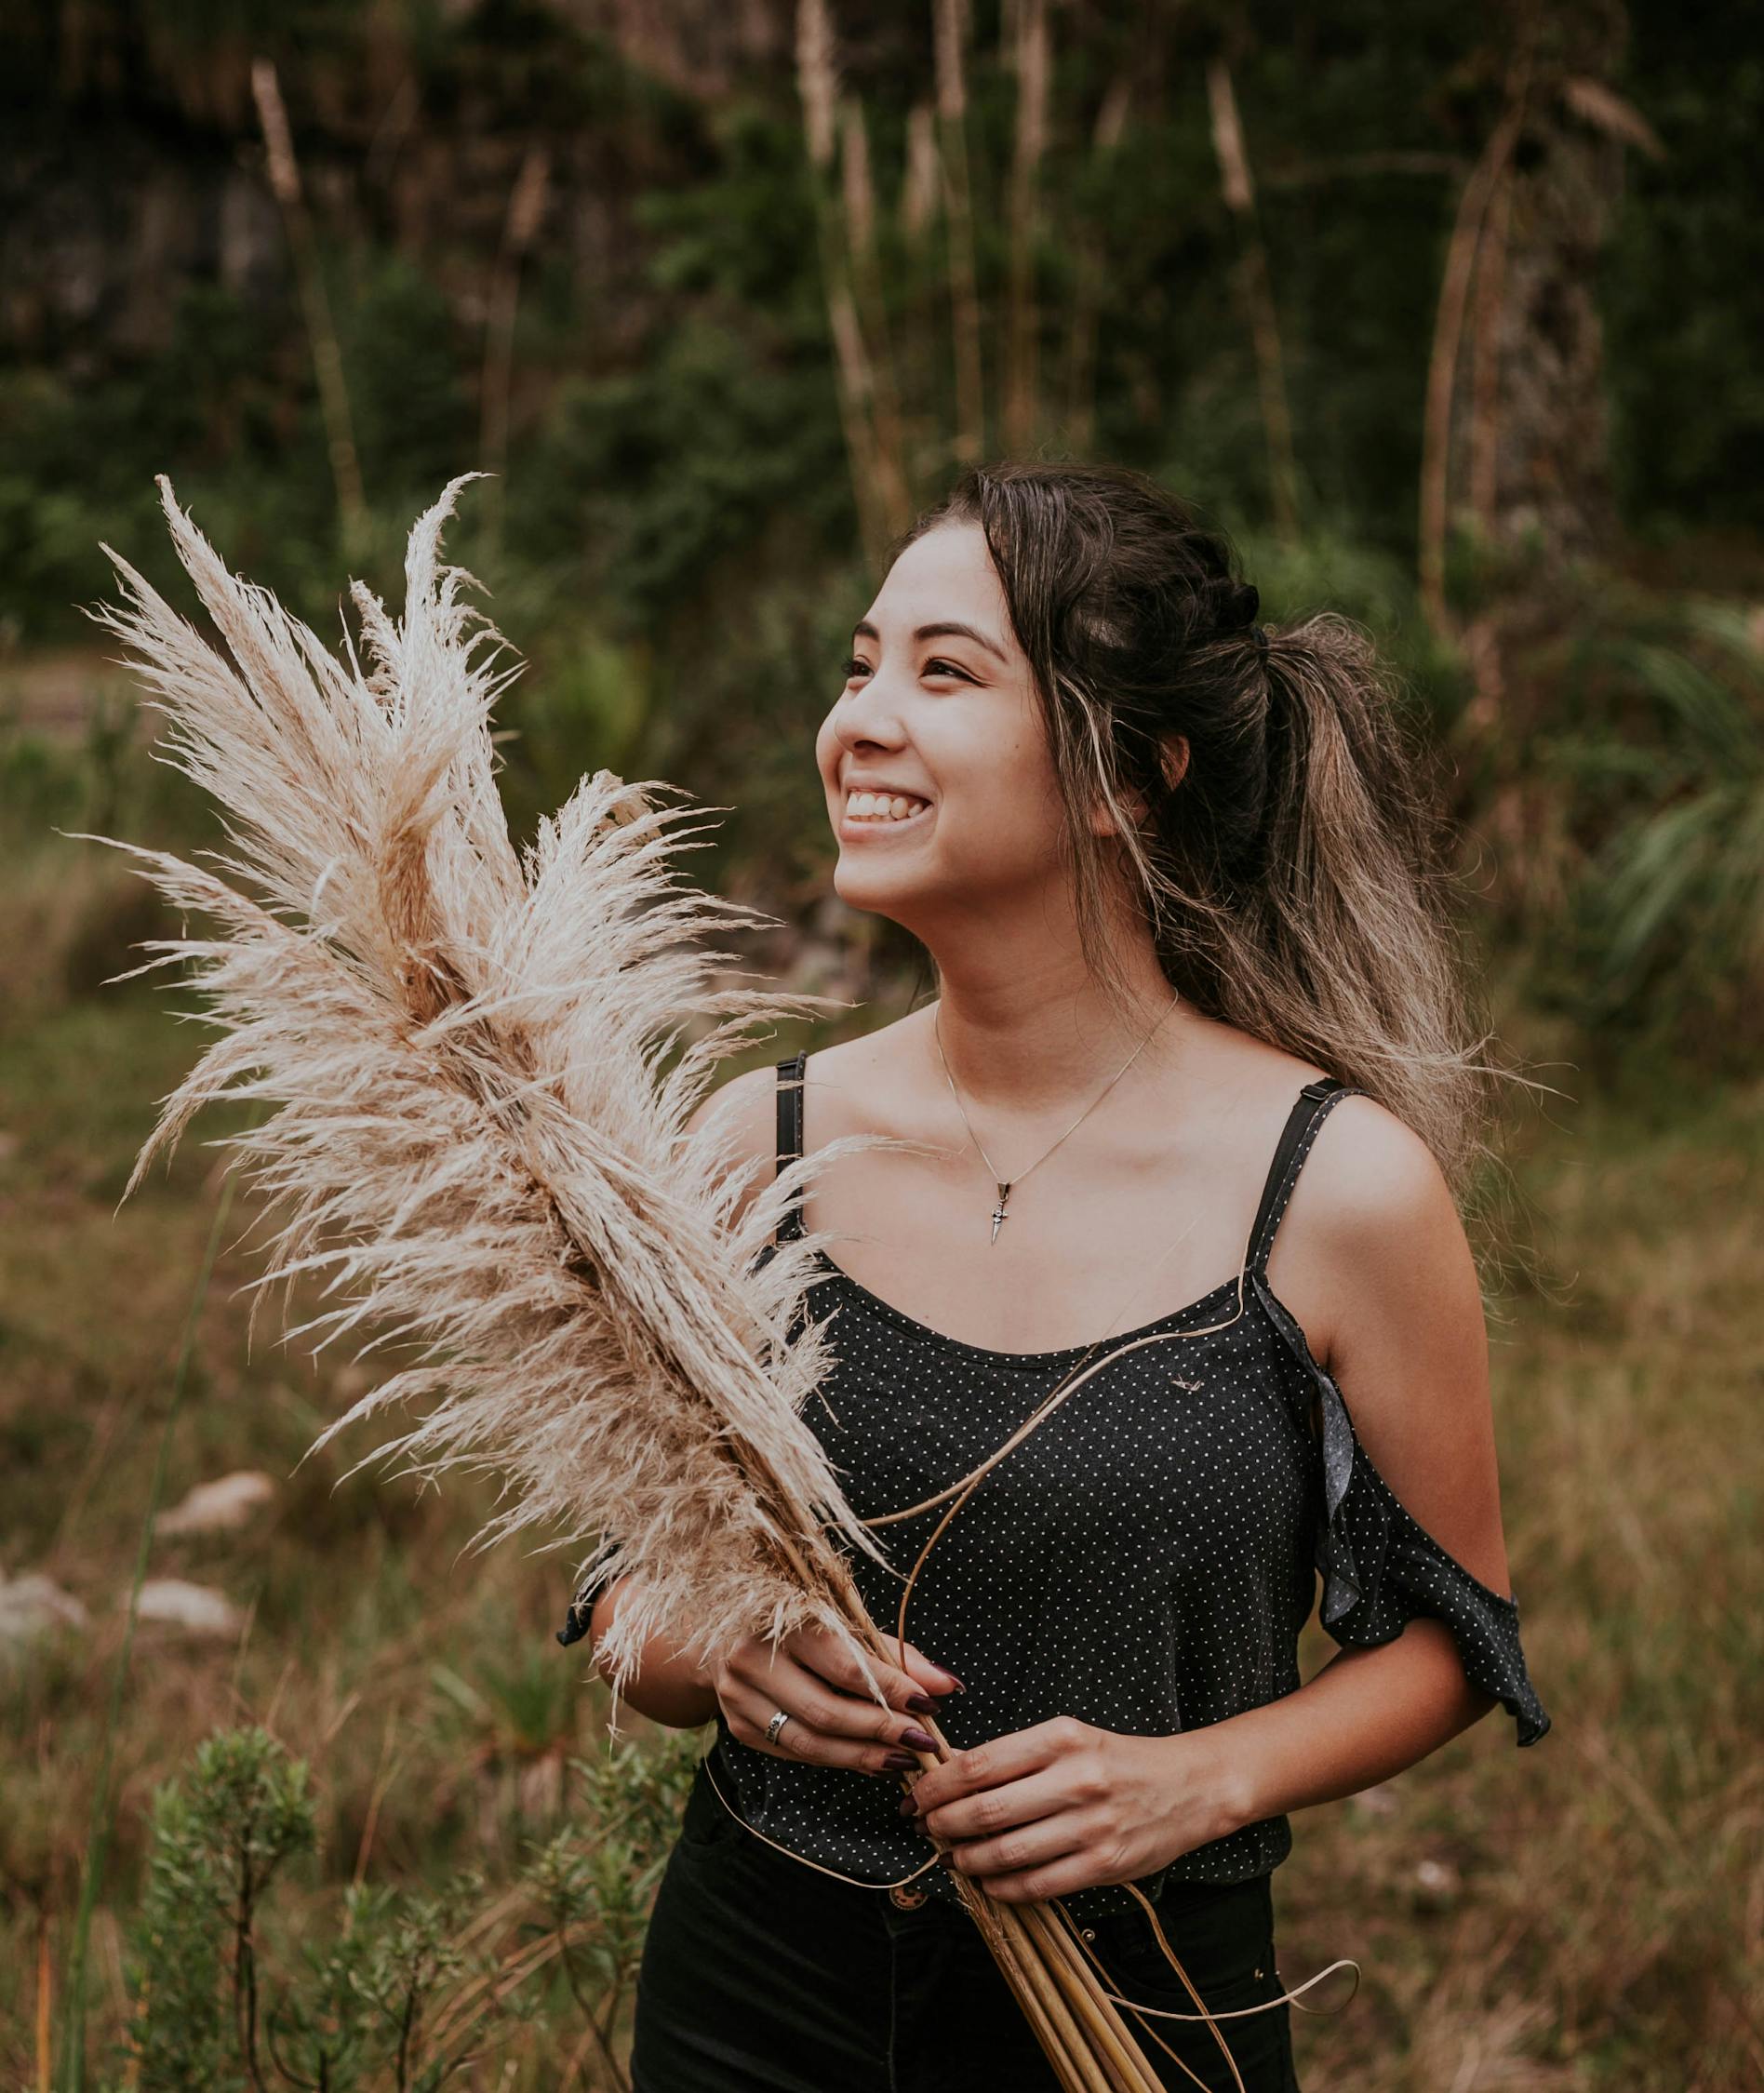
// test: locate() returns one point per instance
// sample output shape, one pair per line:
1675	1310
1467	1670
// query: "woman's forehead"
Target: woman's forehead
947	573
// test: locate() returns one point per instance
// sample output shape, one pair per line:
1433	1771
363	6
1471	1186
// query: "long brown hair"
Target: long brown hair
1294	877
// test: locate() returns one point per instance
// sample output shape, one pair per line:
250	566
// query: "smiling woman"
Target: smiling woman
1200	1037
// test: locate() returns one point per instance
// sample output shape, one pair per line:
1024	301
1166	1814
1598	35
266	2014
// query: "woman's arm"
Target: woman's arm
666	1687
1367	1715
1372	1260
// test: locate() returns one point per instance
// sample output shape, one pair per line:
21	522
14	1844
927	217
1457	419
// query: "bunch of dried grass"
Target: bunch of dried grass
477	1138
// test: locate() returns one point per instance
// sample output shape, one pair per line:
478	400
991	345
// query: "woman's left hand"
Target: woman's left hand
1063	1807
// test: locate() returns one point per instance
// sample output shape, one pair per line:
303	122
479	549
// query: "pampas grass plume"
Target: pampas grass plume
474	1134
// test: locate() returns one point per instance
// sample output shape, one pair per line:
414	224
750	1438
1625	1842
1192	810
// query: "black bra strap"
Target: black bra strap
1308	1111
790	1074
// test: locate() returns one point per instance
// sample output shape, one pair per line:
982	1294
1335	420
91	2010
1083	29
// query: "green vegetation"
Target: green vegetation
374	1986
1455	331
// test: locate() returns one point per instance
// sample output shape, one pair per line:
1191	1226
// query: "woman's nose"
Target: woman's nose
869	718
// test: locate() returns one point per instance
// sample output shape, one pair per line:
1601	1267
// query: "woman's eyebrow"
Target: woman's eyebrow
948	628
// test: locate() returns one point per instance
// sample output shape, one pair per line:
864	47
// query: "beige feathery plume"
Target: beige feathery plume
476	1138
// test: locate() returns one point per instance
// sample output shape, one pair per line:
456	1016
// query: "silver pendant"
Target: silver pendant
998	1211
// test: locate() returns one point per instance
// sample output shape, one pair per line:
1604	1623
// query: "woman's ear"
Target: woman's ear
1172	760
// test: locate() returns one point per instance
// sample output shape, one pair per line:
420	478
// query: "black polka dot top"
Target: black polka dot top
1144	1561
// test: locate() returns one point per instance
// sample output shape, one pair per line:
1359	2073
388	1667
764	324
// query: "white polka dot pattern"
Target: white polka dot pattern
1144	1561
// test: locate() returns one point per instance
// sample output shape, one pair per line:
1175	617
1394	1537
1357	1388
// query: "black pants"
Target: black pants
763	1976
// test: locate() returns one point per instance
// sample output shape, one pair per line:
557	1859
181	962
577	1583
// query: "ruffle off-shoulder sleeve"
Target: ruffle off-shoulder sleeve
1381	1569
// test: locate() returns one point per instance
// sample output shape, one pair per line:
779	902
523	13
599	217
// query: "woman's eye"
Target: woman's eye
856	667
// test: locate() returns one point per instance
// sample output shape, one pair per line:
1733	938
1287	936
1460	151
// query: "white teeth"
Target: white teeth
879	807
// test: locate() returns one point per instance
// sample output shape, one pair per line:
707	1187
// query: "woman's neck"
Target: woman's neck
1030	1041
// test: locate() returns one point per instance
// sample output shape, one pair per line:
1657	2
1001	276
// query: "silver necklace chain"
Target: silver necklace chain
1007	1185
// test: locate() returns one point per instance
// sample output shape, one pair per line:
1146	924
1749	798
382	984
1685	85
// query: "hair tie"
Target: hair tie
1259	637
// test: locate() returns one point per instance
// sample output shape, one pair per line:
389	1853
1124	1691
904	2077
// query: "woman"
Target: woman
1198	1037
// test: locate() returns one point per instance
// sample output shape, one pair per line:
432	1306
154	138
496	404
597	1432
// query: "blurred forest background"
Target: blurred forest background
1451	315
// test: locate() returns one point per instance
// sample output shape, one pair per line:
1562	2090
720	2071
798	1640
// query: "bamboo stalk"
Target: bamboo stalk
1461	252
1030	1986
1121	2068
526	209
1087	296
44	2004
1442	362
1055	1941
1060	1948
1258	294
1030	61
894	489
818	86
950	32
321	333
1485	365
916	211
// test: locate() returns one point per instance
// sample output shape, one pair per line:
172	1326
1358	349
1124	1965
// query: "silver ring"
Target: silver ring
776	1724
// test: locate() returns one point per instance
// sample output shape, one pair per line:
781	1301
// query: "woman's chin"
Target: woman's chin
862	881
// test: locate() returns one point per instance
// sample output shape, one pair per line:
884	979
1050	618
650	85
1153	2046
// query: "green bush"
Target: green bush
375	1986
1657	747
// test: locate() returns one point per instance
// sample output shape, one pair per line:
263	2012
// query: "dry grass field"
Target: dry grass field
1588	1914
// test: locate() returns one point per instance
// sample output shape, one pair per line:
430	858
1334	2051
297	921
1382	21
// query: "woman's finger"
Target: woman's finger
829	1727
1021	1847
939	1678
773	1670
825	1655
994	1813
749	1709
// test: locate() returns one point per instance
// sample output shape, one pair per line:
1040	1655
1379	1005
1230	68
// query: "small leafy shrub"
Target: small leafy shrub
1661	749
376	1988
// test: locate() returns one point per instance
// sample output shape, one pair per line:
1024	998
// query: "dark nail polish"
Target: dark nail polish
909	1805
900	1761
921	1705
958	1687
918	1739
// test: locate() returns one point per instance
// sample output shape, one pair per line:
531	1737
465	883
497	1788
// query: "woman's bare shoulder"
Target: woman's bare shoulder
875	1082
1372	1241
1372	1179
743	1109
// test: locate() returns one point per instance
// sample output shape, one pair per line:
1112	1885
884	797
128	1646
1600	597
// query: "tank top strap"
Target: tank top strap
1310	1108
790	1075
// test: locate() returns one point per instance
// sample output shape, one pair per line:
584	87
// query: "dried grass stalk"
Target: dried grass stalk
475	1141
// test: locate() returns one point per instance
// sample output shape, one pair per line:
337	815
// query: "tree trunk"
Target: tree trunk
1531	463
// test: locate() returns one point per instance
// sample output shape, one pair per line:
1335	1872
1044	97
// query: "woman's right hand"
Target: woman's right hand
834	1718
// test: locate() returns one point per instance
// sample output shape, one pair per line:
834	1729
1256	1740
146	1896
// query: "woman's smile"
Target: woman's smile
874	814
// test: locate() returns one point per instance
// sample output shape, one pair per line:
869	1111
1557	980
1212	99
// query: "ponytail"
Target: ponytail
1341	946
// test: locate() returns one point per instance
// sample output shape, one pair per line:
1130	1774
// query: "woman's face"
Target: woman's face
944	721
